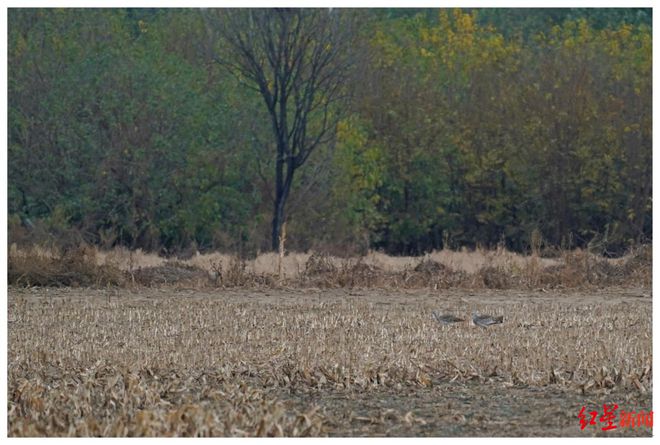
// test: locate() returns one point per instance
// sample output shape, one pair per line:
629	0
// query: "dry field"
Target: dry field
323	362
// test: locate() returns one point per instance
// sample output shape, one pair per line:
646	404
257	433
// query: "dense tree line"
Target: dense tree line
456	128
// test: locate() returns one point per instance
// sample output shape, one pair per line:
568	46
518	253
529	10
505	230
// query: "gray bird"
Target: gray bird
486	320
446	319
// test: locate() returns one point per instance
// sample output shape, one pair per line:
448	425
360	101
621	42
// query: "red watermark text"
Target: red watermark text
607	420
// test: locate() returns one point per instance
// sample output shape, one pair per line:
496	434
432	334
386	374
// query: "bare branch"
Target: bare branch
298	60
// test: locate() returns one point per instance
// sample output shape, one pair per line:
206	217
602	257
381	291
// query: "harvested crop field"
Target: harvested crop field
324	362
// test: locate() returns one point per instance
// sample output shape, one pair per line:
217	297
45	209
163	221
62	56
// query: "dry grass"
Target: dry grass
499	269
157	363
75	267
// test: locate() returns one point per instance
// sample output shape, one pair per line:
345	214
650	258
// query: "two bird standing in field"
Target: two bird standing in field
479	320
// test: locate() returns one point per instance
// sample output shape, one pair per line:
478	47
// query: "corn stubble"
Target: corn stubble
211	366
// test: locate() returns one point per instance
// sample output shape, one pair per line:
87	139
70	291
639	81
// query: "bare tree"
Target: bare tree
298	60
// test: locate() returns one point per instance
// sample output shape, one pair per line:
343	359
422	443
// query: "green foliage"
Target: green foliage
467	127
120	130
527	22
486	138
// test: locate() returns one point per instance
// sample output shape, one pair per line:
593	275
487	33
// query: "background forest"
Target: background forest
459	128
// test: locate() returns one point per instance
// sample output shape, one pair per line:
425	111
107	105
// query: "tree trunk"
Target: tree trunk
282	188
278	210
278	218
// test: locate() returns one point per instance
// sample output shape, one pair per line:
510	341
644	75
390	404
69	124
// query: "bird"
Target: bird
446	319
486	320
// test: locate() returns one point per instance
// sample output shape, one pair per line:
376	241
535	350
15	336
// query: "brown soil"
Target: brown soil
468	409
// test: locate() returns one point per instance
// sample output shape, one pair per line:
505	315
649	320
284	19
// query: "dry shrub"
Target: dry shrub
550	252
439	270
129	260
355	273
75	267
362	274
319	264
430	267
528	275
432	274
321	271
592	269
172	272
236	274
580	268
638	266
293	264
494	277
